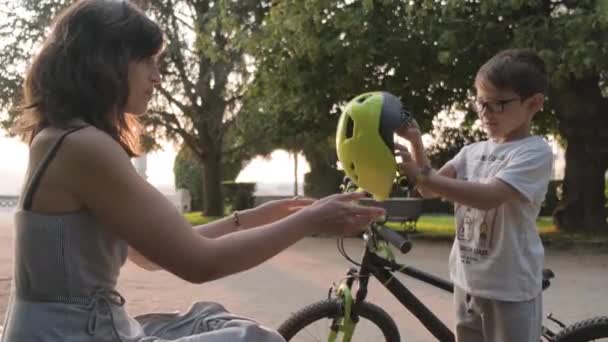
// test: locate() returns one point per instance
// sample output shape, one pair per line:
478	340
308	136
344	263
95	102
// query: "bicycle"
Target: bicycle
342	312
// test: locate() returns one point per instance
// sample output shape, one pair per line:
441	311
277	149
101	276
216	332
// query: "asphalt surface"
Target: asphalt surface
304	272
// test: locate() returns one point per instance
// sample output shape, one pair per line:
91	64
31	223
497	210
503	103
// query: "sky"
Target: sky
273	175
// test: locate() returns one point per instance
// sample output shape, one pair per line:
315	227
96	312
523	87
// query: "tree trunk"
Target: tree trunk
324	178
212	186
583	115
582	206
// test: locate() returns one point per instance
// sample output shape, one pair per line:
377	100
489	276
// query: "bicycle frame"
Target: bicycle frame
382	269
378	267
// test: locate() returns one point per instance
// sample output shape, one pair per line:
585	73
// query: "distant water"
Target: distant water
5	213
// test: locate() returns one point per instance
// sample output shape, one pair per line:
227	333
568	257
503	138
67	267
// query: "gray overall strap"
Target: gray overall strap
39	170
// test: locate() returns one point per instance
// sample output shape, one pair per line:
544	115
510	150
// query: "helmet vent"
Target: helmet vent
362	99
352	167
350	126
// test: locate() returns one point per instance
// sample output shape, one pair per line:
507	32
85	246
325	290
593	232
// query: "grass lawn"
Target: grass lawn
442	227
195	218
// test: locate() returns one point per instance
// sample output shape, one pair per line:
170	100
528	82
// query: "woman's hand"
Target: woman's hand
338	215
272	211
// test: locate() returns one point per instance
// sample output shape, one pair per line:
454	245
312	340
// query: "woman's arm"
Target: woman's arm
101	175
245	219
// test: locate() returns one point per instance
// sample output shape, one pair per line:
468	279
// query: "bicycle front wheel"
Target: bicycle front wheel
593	329
313	323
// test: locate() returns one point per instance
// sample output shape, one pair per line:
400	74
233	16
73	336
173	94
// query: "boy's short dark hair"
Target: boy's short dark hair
519	70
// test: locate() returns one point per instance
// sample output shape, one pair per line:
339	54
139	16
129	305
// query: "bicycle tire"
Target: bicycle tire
584	331
330	308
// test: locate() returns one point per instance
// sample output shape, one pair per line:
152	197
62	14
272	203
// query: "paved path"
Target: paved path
304	272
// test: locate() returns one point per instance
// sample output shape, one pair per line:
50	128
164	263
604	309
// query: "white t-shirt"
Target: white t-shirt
498	253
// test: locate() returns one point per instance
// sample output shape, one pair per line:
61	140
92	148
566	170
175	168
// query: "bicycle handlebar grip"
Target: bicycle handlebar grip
399	241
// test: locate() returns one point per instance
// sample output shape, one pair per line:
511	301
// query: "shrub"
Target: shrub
238	196
189	175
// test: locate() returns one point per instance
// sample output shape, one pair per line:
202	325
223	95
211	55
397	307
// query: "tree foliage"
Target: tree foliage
205	73
245	77
315	55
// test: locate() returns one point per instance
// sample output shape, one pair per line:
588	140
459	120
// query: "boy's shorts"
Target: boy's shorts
489	320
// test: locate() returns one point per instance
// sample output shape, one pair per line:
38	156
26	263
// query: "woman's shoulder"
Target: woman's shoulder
87	144
85	134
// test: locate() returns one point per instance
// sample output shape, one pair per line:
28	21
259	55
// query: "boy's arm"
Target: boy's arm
476	195
447	171
524	179
443	183
421	160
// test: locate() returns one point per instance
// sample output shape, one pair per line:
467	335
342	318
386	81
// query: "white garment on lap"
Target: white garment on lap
498	253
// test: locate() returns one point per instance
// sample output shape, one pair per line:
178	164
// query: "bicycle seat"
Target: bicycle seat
547	276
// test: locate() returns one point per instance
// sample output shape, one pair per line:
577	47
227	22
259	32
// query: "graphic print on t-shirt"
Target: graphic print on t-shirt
476	228
475	232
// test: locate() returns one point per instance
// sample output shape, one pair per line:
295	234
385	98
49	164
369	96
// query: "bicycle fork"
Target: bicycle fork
346	320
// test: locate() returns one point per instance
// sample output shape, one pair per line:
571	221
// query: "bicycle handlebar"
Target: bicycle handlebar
399	241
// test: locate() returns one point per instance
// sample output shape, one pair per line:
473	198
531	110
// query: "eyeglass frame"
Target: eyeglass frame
486	105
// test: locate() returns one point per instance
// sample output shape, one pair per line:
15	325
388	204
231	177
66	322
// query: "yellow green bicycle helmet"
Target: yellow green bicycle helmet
365	143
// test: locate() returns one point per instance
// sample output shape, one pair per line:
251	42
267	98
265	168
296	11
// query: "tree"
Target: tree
205	74
188	175
450	134
315	55
569	36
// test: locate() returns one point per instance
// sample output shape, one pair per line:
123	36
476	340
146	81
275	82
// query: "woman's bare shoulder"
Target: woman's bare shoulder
85	140
86	146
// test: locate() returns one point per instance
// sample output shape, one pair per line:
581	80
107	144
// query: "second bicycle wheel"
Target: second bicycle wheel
593	329
313	322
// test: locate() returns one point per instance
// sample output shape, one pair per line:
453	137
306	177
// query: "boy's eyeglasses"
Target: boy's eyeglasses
497	106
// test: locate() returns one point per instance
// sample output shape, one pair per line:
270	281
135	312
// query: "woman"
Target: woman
85	209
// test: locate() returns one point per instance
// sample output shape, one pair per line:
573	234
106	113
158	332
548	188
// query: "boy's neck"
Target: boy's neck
511	137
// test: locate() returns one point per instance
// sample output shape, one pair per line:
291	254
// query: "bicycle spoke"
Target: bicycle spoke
319	331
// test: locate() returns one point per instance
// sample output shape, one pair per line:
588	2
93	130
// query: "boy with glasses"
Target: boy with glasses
497	186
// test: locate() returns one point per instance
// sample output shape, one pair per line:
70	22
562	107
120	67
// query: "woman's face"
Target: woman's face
143	77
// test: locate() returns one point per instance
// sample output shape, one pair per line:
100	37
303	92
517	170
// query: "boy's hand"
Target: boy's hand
407	166
409	130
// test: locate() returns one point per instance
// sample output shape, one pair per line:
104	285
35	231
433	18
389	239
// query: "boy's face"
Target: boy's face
505	116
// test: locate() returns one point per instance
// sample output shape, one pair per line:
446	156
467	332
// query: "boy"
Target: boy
497	186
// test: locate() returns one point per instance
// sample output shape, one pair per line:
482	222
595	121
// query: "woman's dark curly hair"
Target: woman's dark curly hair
81	71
